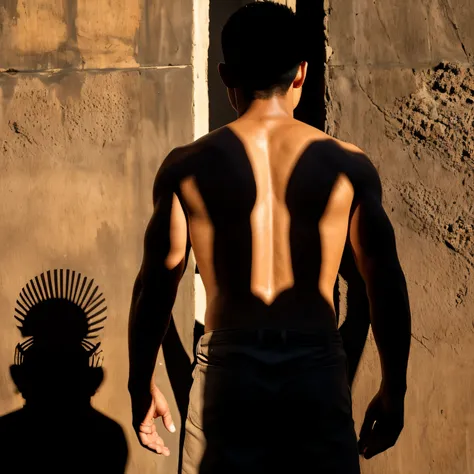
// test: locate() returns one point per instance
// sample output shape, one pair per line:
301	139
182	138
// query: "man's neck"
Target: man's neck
274	107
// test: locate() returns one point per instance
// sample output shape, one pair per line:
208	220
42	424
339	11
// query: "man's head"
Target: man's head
263	51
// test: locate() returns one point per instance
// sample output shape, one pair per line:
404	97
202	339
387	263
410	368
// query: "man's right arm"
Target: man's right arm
373	244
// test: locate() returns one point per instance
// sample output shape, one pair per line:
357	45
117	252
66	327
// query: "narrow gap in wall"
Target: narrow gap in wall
312	108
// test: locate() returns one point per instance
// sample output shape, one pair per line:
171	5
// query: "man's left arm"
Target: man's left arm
165	256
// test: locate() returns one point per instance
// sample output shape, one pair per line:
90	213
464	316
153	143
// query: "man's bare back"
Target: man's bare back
268	205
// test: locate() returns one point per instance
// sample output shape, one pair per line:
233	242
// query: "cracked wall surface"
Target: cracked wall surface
439	117
400	85
93	95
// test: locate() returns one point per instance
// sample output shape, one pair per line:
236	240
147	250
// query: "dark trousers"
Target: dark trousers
270	401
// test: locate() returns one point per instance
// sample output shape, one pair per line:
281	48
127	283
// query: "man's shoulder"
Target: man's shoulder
318	136
347	157
348	147
360	170
184	160
193	149
342	148
354	159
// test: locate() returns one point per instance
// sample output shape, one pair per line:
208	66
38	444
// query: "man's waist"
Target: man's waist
265	348
271	337
253	317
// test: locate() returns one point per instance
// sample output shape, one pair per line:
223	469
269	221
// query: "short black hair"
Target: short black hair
262	48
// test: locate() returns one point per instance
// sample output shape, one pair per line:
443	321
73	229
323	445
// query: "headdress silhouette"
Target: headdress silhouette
60	312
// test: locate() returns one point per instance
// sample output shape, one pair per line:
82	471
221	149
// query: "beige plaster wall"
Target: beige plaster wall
415	121
93	95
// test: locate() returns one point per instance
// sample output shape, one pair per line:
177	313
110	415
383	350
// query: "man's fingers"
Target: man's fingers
146	431
163	410
147	428
154	443
150	415
168	422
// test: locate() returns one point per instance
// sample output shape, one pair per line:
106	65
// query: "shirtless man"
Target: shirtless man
267	204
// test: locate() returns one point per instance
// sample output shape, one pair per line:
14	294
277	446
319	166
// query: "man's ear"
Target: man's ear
226	76
300	75
297	86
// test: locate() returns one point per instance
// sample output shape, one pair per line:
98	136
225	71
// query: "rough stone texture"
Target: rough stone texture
50	34
79	155
400	87
440	116
80	144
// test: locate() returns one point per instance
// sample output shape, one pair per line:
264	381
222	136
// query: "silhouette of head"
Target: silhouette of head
263	50
60	312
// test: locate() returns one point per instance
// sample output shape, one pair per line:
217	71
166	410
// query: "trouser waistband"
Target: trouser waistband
270	337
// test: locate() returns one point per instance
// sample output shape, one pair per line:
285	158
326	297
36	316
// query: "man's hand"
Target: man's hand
145	409
382	425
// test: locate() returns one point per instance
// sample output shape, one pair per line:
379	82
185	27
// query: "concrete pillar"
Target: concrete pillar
201	44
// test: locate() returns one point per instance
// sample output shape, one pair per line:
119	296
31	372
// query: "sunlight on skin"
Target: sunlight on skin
272	269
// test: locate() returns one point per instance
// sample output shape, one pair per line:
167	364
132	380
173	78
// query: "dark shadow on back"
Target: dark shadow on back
312	110
265	402
57	370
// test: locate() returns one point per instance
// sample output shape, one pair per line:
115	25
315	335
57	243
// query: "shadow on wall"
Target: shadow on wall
179	369
57	370
355	328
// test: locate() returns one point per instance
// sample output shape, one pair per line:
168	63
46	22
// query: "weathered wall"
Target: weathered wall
389	94
96	95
